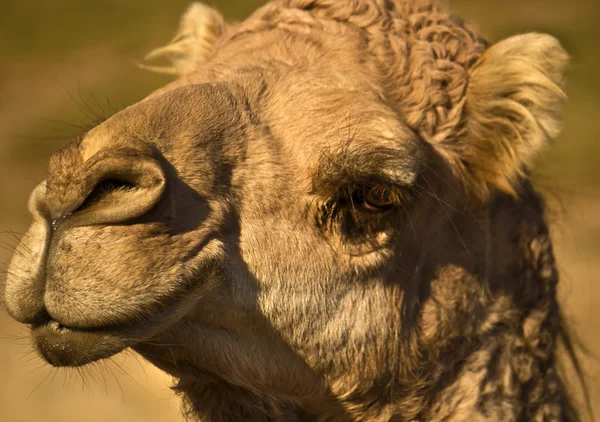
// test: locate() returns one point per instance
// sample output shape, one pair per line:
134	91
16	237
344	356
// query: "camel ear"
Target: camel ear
513	109
199	30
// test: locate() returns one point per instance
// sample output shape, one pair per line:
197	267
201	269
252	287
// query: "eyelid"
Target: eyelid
390	197
362	163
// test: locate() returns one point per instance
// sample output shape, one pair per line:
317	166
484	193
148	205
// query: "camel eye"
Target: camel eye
376	198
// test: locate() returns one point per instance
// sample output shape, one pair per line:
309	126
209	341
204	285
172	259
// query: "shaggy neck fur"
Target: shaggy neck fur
478	340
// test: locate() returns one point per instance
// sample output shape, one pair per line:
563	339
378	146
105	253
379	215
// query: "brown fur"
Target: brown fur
224	227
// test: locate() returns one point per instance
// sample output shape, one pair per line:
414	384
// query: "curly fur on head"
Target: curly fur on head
487	111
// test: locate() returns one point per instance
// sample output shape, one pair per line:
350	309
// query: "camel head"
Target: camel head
325	212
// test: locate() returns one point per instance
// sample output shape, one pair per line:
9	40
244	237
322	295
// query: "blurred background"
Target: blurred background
63	63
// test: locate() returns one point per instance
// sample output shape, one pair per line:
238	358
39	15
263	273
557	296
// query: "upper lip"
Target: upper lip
57	326
136	330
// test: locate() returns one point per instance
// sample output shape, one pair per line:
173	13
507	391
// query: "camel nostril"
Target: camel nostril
102	190
116	186
112	186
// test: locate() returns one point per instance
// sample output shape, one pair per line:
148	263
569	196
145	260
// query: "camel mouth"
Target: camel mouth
62	346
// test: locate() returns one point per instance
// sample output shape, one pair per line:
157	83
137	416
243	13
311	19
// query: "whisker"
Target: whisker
137	359
10	249
88	370
85	385
101	365
449	217
412	226
29	355
120	368
111	372
40	383
67	379
55	372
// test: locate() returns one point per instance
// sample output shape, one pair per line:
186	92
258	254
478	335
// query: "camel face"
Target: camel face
313	214
190	195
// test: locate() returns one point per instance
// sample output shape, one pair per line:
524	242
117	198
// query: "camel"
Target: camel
327	216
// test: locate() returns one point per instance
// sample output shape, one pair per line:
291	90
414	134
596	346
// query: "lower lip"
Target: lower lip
61	346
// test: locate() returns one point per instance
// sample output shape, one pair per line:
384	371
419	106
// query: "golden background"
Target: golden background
64	62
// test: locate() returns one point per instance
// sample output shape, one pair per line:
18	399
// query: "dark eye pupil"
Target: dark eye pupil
377	198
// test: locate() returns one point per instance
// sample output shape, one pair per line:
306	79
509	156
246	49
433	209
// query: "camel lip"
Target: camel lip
59	328
63	346
53	325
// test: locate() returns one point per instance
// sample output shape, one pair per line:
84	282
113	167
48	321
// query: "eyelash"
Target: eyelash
375	199
349	210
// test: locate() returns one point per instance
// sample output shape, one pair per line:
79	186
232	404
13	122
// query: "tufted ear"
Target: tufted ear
512	110
199	30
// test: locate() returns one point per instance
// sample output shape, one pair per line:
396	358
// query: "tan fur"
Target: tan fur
514	103
228	227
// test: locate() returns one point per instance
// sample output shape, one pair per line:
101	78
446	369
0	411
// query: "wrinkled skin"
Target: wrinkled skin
280	232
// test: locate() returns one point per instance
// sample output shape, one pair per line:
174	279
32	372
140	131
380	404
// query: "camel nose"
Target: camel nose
113	186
